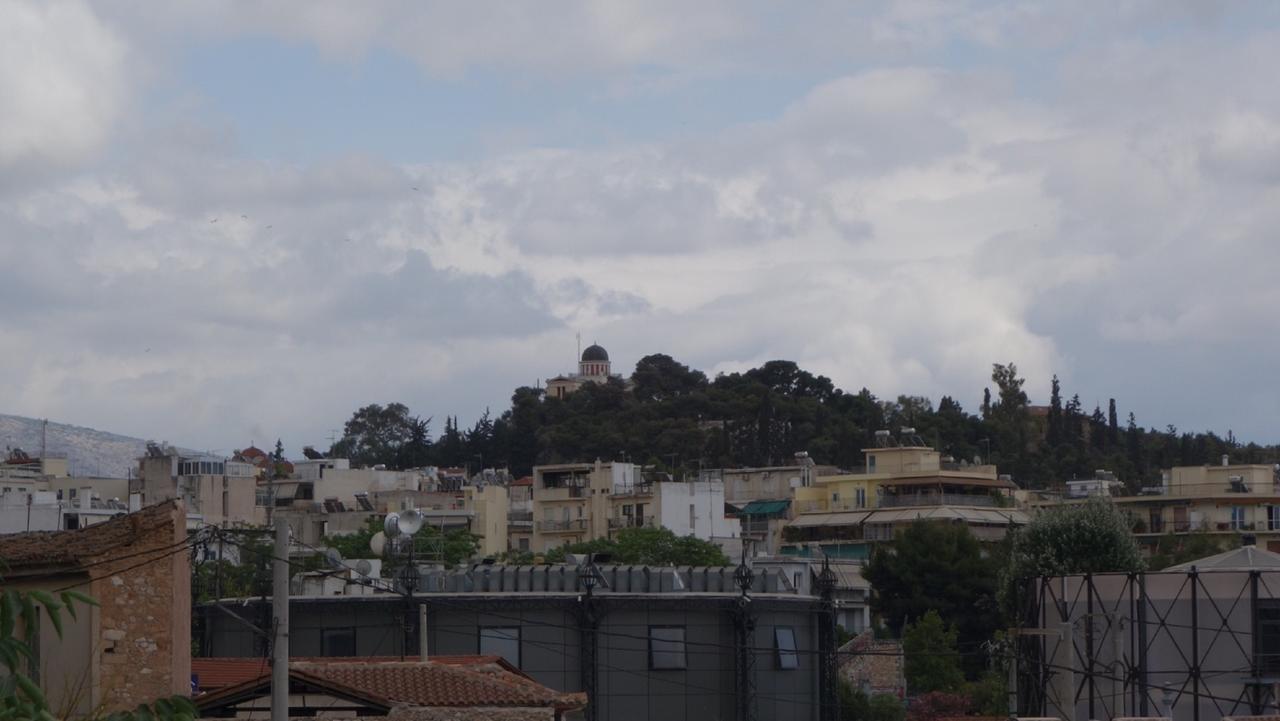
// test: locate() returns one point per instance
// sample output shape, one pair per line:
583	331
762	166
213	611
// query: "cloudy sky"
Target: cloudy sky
224	222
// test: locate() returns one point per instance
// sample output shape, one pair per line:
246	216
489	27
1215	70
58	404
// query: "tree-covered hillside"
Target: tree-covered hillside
677	419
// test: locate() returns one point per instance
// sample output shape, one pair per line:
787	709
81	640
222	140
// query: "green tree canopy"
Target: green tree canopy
453	547
940	567
650	547
1089	537
932	661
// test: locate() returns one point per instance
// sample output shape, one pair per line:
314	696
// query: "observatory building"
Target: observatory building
593	367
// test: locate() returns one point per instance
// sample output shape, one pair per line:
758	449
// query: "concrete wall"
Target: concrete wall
490	521
695	509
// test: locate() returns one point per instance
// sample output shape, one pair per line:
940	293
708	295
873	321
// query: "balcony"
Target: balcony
940	499
636	489
520	516
578	525
629	522
563	493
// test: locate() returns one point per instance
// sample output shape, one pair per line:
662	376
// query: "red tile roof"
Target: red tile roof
216	673
72	548
467	681
435	684
523	481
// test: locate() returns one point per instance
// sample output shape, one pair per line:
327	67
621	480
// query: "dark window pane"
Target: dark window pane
501	641
785	639
338	642
666	647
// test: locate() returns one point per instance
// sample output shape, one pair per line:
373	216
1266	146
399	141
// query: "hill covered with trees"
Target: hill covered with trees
677	419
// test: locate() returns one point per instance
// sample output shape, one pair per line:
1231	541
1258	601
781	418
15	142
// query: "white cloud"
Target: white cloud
62	84
899	226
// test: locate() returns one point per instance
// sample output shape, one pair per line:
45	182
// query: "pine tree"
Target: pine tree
1112	426
278	455
1054	433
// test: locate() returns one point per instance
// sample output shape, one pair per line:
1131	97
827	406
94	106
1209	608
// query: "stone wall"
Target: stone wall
144	617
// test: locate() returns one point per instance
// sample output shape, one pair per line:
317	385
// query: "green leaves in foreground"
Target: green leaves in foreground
21	698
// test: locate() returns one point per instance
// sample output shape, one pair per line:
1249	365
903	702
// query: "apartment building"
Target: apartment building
694	508
842	515
224	492
577	502
520	514
488	506
570	501
1223	499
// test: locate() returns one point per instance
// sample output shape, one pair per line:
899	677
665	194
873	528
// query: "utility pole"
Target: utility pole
280	623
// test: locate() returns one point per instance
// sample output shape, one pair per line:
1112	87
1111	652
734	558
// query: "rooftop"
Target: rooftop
471	681
72	548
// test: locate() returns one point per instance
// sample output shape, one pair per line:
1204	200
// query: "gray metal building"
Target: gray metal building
661	644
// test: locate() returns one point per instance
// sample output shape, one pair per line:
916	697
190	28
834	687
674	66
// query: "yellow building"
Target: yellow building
840	515
1225	500
570	501
488	506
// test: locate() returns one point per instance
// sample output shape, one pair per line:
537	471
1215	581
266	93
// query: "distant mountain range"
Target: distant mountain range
89	452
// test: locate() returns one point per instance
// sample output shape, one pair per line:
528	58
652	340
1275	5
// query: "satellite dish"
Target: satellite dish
333	558
391	524
410	521
378	543
363	567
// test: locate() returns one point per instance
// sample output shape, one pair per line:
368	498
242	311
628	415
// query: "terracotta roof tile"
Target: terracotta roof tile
216	673
435	684
70	548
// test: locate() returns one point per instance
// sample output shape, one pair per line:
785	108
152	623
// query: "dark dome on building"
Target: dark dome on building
595	353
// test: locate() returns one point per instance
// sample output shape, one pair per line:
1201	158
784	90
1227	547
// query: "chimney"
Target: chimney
1248	539
1226	460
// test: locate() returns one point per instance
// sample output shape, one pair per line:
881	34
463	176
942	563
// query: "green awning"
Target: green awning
765	508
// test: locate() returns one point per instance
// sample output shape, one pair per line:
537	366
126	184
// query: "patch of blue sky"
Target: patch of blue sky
290	102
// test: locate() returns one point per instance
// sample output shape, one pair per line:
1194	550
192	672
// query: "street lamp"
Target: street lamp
587	575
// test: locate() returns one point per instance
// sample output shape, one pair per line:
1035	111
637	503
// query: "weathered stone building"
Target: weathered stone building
135	646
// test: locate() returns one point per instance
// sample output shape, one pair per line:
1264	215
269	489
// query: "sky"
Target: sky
224	223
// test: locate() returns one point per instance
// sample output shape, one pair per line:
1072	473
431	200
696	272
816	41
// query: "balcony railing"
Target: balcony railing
518	516
939	499
630	522
634	489
575	525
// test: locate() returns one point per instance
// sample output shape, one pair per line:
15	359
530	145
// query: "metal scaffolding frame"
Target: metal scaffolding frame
1181	644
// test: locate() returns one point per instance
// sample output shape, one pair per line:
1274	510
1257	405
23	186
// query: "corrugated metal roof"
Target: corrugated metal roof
848	575
765	508
848	518
1245	558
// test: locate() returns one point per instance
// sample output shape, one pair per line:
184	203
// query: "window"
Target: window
501	641
524	544
871	463
693	516
1266	636
862	497
784	638
1237	517
337	642
666	648
73	493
